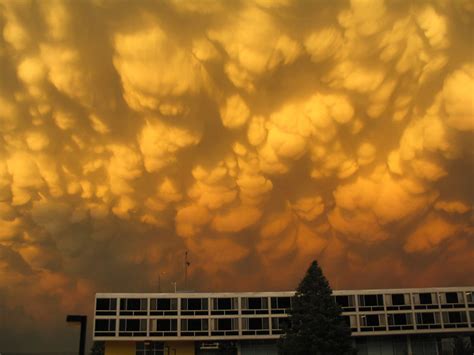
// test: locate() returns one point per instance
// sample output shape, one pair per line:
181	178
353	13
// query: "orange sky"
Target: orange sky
257	135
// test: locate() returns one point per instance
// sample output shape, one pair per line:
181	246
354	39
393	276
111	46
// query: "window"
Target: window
105	306
470	297
280	324
132	327
428	320
257	303
255	326
194	306
104	327
400	319
164	306
398	299
133	306
425	298
225	305
372	322
280	305
455	319
196	326
371	302
163	327
452	297
225	326
149	348
254	305
281	302
346	302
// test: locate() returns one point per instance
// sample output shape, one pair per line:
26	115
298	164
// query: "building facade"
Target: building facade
397	321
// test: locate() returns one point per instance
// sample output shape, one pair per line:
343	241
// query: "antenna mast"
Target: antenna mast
186	264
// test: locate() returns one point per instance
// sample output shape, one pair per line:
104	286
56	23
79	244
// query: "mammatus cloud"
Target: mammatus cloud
257	135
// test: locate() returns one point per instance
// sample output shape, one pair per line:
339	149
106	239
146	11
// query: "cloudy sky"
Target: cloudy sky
257	135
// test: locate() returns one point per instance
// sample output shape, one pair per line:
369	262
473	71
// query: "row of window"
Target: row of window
401	301
260	305
189	327
408	321
261	325
191	306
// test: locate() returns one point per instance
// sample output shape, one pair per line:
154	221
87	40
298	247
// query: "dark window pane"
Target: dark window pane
451	297
425	298
163	324
133	304
103	304
133	325
194	304
103	325
255	303
399	319
255	323
398	299
284	302
224	303
372	320
274	302
455	317
428	318
342	301
163	304
194	324
370	300
224	324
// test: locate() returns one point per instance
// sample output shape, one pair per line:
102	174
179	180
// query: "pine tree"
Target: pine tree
316	326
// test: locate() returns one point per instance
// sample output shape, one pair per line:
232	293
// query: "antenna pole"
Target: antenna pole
186	264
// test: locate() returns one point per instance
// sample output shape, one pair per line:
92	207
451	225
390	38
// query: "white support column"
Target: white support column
239	304
466	306
178	321
117	320
356	298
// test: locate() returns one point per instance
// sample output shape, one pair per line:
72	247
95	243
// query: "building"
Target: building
398	321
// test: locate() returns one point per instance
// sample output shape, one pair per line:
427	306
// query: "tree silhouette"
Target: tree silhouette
316	326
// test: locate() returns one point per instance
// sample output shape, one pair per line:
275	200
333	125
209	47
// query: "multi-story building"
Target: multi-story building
397	321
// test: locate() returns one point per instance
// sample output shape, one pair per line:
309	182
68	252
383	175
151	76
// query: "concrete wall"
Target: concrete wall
120	348
181	347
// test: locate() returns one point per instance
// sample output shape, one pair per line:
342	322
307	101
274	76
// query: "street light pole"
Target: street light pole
82	338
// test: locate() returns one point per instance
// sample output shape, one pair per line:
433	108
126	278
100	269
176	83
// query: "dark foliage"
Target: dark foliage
316	325
98	348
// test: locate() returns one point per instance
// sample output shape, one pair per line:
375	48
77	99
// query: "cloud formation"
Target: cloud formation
257	135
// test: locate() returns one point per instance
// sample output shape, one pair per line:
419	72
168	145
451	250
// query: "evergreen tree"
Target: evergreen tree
316	326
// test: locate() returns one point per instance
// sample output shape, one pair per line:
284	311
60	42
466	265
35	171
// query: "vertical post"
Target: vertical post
186	264
82	341
82	338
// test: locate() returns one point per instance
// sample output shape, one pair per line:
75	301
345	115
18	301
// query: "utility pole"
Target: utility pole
186	264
